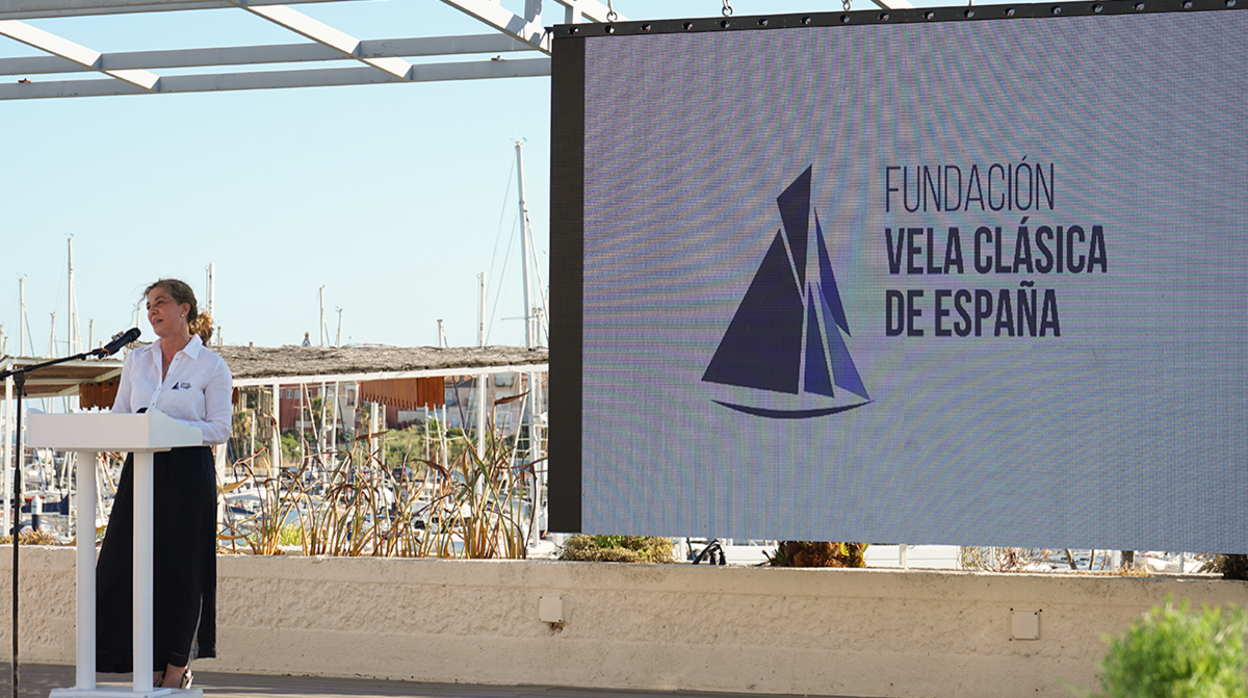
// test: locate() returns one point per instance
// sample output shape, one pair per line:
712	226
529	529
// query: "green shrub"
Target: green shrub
1170	653
617	549
291	534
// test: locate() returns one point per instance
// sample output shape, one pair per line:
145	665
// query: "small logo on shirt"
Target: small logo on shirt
181	386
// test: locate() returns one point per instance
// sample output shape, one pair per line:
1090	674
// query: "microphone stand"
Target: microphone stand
18	374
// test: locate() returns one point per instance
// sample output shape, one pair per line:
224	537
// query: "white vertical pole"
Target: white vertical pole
91	334
373	428
70	514
212	292
69	319
535	406
338	343
144	492
524	246
481	313
73	340
218	458
481	378
443	430
323	438
333	423
322	297
539	479
18	467
275	455
21	321
481	426
86	571
8	453
100	463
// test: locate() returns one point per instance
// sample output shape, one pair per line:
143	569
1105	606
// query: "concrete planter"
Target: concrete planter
765	630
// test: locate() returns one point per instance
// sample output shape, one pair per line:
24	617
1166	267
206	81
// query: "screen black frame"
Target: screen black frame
567	167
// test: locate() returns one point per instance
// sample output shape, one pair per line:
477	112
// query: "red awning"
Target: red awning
405	393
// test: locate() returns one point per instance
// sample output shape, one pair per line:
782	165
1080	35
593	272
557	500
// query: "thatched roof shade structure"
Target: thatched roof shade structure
93	381
403	377
294	364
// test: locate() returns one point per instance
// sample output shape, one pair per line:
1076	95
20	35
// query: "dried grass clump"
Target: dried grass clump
32	538
798	553
583	548
1132	571
995	559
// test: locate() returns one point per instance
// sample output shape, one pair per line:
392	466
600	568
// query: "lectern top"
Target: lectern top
151	431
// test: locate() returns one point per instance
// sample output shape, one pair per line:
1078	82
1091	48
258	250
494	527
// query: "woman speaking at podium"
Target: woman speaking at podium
180	377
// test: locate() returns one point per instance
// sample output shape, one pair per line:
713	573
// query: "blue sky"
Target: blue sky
392	197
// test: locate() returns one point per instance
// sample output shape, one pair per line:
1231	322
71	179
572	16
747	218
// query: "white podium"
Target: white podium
142	435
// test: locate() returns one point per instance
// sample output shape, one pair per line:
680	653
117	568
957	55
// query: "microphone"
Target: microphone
120	340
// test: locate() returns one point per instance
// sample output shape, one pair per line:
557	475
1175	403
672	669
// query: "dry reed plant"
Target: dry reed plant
995	559
474	508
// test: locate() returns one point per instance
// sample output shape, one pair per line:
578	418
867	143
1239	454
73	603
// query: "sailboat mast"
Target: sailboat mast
524	246
73	336
21	320
212	293
321	295
481	310
533	399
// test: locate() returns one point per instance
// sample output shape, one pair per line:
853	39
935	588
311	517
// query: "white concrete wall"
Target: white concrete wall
832	632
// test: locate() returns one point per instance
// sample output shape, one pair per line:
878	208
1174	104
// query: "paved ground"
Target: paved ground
36	680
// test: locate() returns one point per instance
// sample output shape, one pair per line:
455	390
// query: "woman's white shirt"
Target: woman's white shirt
196	391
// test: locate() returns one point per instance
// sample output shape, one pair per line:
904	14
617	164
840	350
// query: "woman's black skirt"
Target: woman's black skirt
184	562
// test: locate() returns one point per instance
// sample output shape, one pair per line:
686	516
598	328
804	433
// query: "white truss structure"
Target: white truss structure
487	55
376	61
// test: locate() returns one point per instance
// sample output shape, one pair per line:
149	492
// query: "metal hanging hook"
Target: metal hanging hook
845	5
612	15
727	9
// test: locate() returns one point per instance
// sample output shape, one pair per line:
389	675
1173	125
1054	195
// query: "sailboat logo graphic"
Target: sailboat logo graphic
786	334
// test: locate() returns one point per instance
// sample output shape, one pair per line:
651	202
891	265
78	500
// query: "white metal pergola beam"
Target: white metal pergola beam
74	53
589	9
323	34
384	59
592	10
259	55
45	9
267	381
325	77
527	29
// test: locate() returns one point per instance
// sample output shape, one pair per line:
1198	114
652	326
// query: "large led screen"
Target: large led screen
921	278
